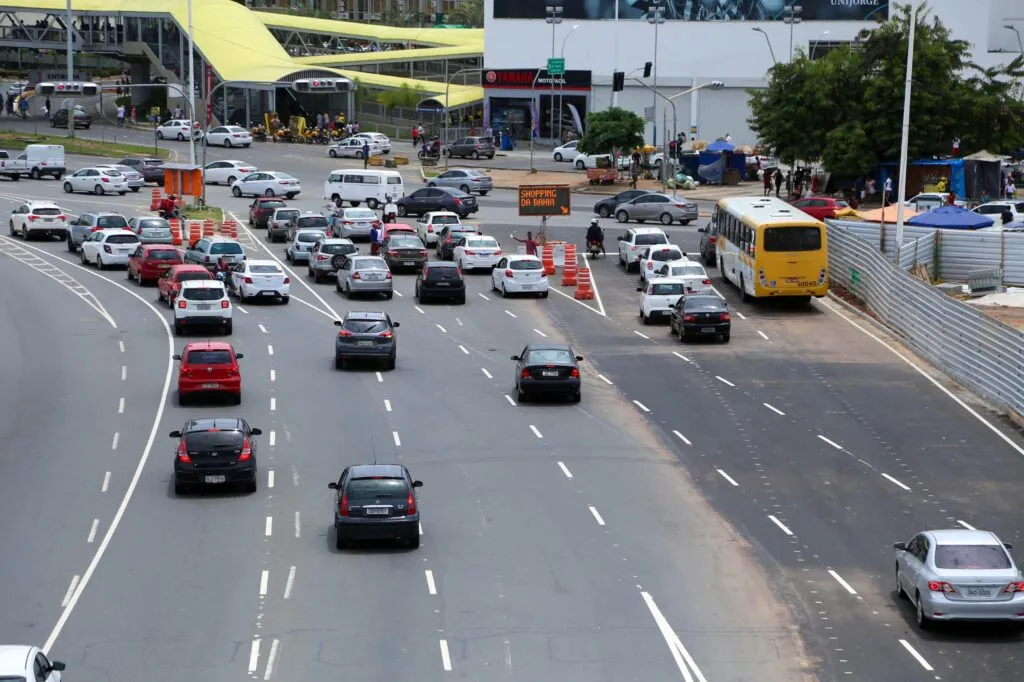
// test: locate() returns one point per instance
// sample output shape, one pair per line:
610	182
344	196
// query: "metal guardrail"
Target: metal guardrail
976	350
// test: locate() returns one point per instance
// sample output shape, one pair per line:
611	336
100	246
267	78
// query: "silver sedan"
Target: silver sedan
660	207
365	275
468	180
301	244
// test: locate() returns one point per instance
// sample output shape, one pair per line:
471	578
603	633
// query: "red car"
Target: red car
392	228
170	282
820	207
150	261
209	368
262	208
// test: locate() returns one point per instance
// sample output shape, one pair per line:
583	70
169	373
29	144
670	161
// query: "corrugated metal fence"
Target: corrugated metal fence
954	253
980	352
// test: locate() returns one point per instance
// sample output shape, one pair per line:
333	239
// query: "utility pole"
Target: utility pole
656	16
905	137
792	15
191	87
554	18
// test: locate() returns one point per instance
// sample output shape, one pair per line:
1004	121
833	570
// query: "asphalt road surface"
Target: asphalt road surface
708	512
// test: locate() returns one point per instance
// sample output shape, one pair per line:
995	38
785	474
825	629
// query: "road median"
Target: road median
16	140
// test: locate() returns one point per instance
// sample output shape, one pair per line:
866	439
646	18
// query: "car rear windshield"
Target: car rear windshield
271	205
704	302
226	247
446	220
209	357
667	288
313	221
442	272
265	269
370	264
687	271
309	237
154	224
344	249
360	213
992	210
666	255
796	238
213	440
406	242
365	326
482	243
190	275
11	678
45	211
287	214
363	489
549	355
111	221
204	293
162	254
971	557
651	238
122	239
524	265
153	162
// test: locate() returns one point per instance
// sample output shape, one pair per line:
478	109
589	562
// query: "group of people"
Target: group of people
798	185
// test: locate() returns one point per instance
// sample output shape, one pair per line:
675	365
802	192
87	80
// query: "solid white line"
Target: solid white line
268	527
682	437
535	431
117	437
272	439
839	579
120	344
254	655
917	657
380	378
92	531
398	441
106	482
273	404
604	379
509	399
741	315
837	446
263	329
387	405
597	516
431	587
681	357
510	313
565	469
298	525
273	375
725	381
486	373
271	658
483	296
264	583
641	405
446	659
763	335
120	405
641	335
270	349
71	591
894	481
241	310
289	584
459	321
124	372
443	330
463	349
398	293
684	661
966	525
780	524
419	310
540	332
774	409
727	477
270	478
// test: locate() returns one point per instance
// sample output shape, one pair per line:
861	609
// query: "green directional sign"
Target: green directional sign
556	67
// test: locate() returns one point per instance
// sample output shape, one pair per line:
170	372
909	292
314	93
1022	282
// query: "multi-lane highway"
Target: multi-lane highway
709	512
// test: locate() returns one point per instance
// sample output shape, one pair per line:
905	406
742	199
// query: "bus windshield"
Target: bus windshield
795	238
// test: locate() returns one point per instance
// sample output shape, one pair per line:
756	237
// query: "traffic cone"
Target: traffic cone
155	199
208	230
584	292
175	231
547	258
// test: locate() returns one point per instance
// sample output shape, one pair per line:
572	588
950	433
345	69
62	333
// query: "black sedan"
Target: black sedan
376	502
606	207
215	452
548	369
428	199
59	118
440	279
369	336
403	251
701	316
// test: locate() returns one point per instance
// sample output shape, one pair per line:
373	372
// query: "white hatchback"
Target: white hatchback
693	276
520	275
381	139
431	224
477	252
178	129
227	171
260	279
352	147
652	257
567	152
658	297
201	304
97	181
109	247
229	136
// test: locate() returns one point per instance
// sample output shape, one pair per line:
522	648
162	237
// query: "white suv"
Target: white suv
633	242
39	219
202	303
658	297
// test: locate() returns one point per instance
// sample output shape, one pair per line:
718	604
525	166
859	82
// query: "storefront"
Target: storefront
516	100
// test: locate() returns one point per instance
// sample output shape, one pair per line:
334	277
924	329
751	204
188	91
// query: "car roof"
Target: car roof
159	247
962	536
365	315
334	240
208	345
217	238
432	214
647	230
115	230
664	280
202	283
101	214
41	202
286	208
522	256
14	659
318	214
188	267
265	261
207	423
374	470
357	208
548	346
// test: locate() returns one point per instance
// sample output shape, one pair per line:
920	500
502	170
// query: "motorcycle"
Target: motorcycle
390	217
594	248
429	154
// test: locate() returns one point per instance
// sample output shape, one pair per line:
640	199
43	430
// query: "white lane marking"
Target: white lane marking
597	515
106	483
509	399
763	335
270	478
510	313
380	378
741	315
120	405
271	658
774	409
682	437
604	379
834	444
839	579
725	381
264	583
540	332
974	413
71	591
419	310
459	321
681	357
295	476
263	329
272	440
124	372
483	296
896	482
398	293
486	373
443	330
727	477
243	310
565	469
780	524
120	344
917	657
398	441
289	584
535	431
684	661
641	405
270	349
92	531
268	526
298	525
463	349
966	525
273	404
273	375
446	659
387	405
117	437
641	335
254	655
431	587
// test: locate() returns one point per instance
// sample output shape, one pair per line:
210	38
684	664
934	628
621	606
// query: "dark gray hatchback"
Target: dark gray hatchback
376	502
369	336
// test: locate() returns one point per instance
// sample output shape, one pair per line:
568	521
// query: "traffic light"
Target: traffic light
68	89
321	85
647	69
618	81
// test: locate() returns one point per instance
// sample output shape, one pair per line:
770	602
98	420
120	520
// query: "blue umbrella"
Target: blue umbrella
720	146
951	218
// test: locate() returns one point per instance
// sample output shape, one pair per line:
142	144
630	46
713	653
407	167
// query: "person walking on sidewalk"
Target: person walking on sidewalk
120	116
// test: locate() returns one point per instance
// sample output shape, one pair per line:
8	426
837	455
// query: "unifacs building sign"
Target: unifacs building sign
699	10
523	79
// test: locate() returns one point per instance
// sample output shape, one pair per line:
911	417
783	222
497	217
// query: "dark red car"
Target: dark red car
170	282
209	368
262	208
820	207
151	261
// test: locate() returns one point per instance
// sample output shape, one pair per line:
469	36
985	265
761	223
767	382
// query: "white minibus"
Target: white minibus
357	186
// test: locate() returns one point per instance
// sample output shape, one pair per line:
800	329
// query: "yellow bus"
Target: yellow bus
768	248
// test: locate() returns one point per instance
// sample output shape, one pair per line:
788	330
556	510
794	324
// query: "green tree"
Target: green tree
612	129
469	13
404	97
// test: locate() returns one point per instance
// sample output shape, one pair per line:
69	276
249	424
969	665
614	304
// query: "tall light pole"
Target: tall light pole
905	139
656	16
767	40
561	84
69	20
1009	27
810	51
191	84
792	15
447	88
554	18
712	85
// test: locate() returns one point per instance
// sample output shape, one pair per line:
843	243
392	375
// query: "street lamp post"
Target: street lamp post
905	138
1011	27
561	83
192	86
712	85
656	16
768	40
447	89
792	15
533	122
814	43
554	18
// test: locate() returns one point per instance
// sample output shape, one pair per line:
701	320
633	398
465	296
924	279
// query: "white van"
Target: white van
371	186
43	160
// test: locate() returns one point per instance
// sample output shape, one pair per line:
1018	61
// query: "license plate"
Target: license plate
409	263
163	266
365	343
376	511
125	250
214	479
978	592
707	330
211	385
204	306
549	373
527	286
444	284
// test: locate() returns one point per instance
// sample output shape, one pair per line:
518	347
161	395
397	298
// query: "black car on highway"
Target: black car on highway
708	239
440	279
702	315
403	251
548	369
365	336
606	206
59	118
427	199
215	452
376	502
152	169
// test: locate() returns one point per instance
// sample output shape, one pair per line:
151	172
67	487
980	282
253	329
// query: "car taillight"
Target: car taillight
282	182
392	252
725	317
248	280
470	253
106	249
705	281
62	217
712	240
104	179
410	505
509	273
182	304
347	222
356	275
376	223
423	253
343	506
322	257
941	586
246	451
225	304
458	201
385	335
476	179
525	374
575	373
388	276
183	453
186	372
689	318
632	248
344	333
430	228
498	252
287	280
650	265
33	218
1014	587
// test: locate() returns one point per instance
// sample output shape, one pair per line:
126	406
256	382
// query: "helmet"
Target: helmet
595	222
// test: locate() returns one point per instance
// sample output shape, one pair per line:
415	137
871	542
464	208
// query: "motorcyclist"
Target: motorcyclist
168	207
390	210
223	268
435	146
595	235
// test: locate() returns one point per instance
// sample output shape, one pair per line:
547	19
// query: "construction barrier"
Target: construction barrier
569	269
208	228
229	228
547	259
175	231
584	292
195	231
154	201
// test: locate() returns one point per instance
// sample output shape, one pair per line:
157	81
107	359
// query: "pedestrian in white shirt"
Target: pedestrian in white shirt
120	116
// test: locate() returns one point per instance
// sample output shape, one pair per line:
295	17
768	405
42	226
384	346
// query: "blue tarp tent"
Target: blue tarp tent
712	162
957	181
720	146
951	218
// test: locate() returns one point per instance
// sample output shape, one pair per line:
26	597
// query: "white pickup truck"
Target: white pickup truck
12	168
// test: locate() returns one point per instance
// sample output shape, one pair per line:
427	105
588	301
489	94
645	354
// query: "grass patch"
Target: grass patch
430	172
215	213
15	140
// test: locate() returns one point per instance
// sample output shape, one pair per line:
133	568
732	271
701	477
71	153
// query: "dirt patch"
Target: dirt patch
1013	317
847	296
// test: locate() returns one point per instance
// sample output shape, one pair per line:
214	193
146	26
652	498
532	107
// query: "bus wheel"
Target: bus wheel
743	290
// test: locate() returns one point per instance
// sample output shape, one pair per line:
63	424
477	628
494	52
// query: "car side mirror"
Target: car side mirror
333	485
900	546
57	666
417	484
396	325
579	358
174	434
337	323
239	356
177	357
619	238
256	432
1008	546
702	229
516	358
640	289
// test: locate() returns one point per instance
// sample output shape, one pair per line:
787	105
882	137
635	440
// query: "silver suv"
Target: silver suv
277	224
322	256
